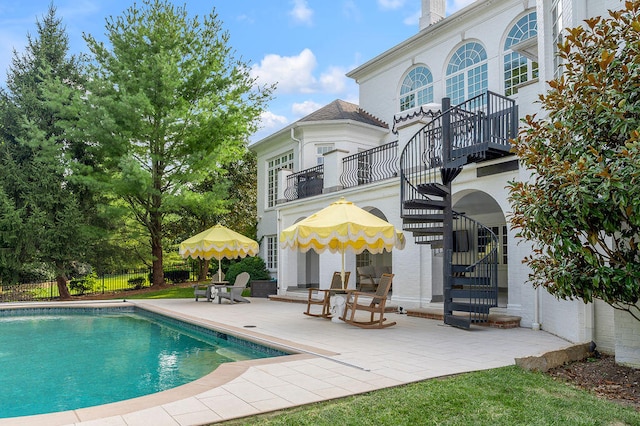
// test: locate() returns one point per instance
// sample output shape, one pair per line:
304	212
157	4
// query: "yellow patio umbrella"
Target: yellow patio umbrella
341	227
218	242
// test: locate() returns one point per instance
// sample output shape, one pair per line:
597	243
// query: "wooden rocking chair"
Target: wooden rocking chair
325	295
375	307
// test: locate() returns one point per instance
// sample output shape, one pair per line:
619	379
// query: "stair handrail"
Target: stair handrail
493	243
476	114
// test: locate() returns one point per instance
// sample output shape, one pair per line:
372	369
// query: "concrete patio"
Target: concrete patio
333	360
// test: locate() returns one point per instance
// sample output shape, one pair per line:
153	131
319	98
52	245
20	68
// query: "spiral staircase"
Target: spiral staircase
472	132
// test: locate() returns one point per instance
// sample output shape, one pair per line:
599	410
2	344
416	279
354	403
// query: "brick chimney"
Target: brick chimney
432	12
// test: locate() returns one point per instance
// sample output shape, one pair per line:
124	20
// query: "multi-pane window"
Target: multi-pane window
467	73
320	151
284	161
505	244
363	259
417	88
557	25
272	252
518	68
484	240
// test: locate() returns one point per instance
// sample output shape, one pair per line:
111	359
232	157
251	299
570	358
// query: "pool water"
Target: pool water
58	362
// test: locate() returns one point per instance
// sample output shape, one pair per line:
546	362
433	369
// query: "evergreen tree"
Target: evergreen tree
37	155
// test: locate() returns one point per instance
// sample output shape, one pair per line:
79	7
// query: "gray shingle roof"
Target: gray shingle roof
342	110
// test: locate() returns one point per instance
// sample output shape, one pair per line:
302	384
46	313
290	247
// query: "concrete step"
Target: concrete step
495	320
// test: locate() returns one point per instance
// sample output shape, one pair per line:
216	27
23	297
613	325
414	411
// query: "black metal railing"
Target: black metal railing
476	127
474	269
369	166
304	184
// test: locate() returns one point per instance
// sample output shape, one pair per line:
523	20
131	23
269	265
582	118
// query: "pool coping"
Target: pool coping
218	377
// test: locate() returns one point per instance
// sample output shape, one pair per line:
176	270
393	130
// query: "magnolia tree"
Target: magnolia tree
581	207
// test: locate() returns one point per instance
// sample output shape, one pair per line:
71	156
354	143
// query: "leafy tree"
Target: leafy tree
166	106
51	212
581	207
228	197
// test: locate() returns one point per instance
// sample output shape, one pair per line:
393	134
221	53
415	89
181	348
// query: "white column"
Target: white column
333	169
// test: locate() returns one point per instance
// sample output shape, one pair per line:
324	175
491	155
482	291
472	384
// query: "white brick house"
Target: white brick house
496	54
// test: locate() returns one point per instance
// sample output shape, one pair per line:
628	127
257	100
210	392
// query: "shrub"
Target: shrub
176	276
136	283
255	266
80	285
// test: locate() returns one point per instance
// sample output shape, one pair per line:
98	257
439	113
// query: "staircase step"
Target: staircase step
452	171
425	230
459	268
424	204
422	218
433	188
456	321
470	307
471	293
472	281
435	243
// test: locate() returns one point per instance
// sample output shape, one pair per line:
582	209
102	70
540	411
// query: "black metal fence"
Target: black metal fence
131	279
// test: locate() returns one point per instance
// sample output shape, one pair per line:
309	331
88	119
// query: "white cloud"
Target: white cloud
293	74
390	4
269	120
305	108
334	80
301	13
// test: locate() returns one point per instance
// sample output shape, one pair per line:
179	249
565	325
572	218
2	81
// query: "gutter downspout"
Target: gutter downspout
293	137
536	311
279	277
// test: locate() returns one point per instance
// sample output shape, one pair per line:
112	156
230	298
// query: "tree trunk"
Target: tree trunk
156	247
158	272
204	268
61	280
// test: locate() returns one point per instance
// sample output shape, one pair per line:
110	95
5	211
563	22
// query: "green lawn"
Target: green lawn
502	396
169	293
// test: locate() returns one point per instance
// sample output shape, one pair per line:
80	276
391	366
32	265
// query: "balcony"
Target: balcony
305	184
369	166
373	165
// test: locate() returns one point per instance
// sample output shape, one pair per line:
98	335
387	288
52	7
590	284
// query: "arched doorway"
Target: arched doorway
308	267
483	208
381	261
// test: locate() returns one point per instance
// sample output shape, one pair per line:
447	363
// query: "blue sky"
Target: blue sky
307	46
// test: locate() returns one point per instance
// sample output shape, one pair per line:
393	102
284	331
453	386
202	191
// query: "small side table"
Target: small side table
217	285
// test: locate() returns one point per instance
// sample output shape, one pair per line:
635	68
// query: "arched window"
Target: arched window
417	88
467	73
518	68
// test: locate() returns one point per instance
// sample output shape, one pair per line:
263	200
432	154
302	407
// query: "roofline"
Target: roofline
408	44
298	124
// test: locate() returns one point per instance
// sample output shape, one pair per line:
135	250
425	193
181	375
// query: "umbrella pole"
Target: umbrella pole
342	272
219	270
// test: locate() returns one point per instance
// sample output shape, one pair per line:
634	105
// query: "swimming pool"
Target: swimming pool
57	359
